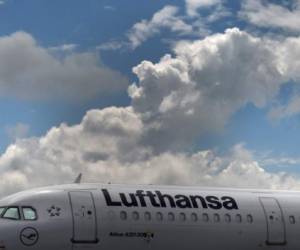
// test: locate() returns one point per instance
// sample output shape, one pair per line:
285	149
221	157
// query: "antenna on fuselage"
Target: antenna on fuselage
78	179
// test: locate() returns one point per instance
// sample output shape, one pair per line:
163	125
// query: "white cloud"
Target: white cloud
105	147
192	6
29	71
112	45
288	54
166	18
280	161
267	14
109	8
65	47
218	13
174	101
198	90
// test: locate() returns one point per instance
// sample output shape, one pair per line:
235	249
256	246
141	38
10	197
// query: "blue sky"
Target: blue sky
86	24
62	59
91	23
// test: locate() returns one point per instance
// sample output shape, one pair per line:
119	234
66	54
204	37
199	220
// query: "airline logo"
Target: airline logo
157	199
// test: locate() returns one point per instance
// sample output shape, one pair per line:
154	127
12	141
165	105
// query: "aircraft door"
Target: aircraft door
84	217
275	221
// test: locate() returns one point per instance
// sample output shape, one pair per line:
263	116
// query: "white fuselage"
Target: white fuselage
110	217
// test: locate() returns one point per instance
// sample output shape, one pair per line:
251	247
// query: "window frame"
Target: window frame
4	209
182	217
135	216
14	219
159	216
216	218
171	217
33	209
147	216
292	219
227	218
123	215
250	219
194	217
205	217
238	218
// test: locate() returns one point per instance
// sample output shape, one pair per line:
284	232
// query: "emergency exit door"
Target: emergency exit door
84	217
275	221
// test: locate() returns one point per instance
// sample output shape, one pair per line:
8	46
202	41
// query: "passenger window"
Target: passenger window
216	218
238	218
171	216
12	213
292	219
147	216
205	217
182	217
249	218
123	215
159	216
1	210
135	216
227	218
194	217
29	213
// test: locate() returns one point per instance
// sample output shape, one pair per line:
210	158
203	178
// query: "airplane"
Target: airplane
139	217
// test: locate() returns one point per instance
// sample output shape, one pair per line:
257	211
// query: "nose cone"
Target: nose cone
16	237
8	235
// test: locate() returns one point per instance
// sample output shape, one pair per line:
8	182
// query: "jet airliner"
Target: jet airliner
140	217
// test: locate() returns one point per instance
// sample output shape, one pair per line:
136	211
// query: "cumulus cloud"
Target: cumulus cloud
288	54
203	85
267	14
29	71
166	18
105	146
176	100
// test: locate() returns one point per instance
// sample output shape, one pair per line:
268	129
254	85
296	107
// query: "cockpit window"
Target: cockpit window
12	213
29	213
1	210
